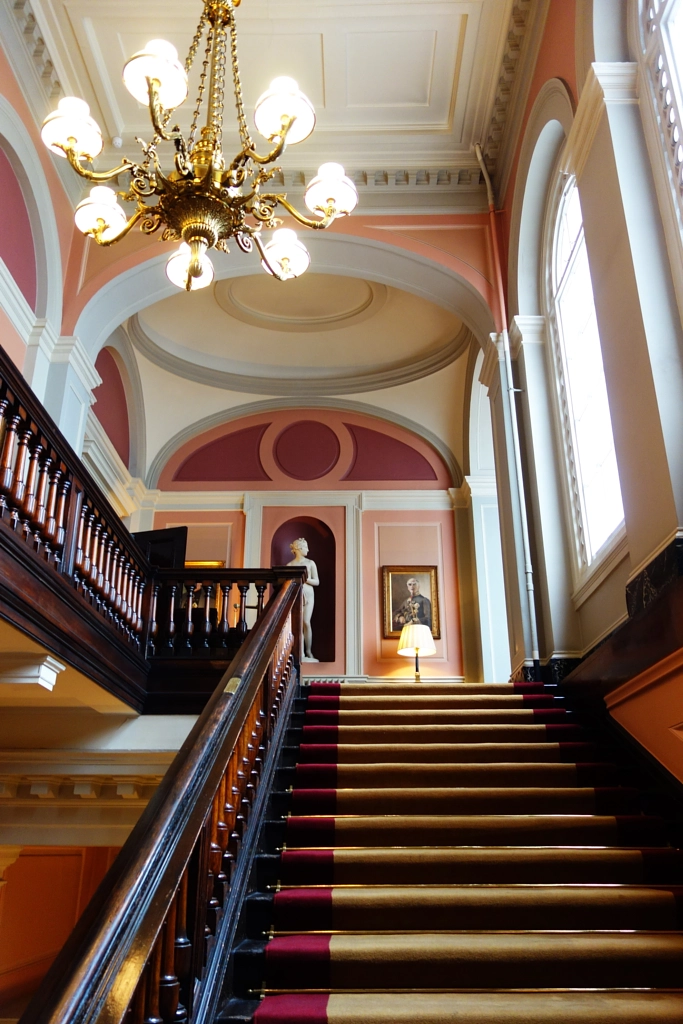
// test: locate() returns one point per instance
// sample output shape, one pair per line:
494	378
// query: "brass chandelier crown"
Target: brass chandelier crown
204	201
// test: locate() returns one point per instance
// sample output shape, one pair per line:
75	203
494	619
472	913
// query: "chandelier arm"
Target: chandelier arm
97	176
96	235
318	225
251	154
156	113
264	255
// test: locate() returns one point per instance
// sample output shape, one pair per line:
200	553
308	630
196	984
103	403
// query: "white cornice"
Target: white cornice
605	84
483	486
72	351
526	330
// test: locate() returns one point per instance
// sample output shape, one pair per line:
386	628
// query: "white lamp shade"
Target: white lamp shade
71	122
331	187
178	266
101	206
158	60
287	255
284	99
416	639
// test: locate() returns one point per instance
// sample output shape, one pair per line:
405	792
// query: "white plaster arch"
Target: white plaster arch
122	353
218	419
345	255
22	154
549	124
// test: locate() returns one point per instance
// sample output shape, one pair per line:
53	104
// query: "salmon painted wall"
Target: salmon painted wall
556	59
9	88
11	341
409	538
333	517
111	406
17	247
45	893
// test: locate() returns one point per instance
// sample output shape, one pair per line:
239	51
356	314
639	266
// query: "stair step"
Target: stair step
427	688
479	829
432	719
451	908
437	960
412	776
491	864
439	753
463	1007
373	703
529	732
462	800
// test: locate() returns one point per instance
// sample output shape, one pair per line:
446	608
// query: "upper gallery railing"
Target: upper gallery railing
150	946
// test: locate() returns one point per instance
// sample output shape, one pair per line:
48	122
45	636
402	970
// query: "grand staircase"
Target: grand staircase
467	853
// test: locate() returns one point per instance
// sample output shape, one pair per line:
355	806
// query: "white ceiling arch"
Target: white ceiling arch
343	255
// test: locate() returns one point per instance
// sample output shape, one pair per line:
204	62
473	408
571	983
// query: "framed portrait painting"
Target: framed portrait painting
410	594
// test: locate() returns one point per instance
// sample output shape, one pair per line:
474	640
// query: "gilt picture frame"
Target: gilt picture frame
410	593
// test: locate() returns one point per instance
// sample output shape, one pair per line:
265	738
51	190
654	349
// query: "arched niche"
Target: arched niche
17	247
111	404
322	549
21	154
120	350
549	124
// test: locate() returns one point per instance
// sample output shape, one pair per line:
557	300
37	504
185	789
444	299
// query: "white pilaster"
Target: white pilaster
71	379
495	642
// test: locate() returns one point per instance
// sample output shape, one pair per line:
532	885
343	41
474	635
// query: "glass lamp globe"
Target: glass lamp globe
284	99
100	206
331	187
158	60
287	256
178	269
72	121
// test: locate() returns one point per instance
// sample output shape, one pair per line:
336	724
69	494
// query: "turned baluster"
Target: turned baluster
95	553
132	597
183	948
188	628
106	571
30	496
89	520
117	574
153	625
260	597
20	473
61	512
224	625
153	981
206	624
125	579
173	589
40	515
80	554
242	628
7	460
51	524
3	419
169	986
214	901
137	1006
141	585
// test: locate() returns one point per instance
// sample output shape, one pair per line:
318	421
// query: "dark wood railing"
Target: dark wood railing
149	946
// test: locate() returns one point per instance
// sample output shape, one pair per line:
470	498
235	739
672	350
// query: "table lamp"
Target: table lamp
416	640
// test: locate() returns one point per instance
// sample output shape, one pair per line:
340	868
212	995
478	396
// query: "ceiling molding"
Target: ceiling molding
525	32
226	417
338	384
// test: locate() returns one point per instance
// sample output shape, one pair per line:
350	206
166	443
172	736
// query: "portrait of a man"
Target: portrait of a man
410	595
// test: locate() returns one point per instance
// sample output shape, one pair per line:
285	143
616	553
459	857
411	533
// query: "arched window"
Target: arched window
589	442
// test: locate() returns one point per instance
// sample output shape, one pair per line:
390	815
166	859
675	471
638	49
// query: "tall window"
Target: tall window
593	473
662	24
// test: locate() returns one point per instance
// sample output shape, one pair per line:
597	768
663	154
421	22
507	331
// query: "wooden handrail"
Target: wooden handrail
128	950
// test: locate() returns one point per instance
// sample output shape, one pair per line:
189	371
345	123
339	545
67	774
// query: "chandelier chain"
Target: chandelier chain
245	137
218	86
202	87
194	45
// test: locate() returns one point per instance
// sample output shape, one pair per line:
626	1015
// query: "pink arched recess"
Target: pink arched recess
111	406
320	449
17	247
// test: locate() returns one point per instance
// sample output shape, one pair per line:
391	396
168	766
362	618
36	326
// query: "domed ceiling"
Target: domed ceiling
319	334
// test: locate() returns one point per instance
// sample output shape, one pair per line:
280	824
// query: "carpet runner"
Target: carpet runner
459	853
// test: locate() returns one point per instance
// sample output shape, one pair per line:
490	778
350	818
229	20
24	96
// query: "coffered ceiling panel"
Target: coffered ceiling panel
399	88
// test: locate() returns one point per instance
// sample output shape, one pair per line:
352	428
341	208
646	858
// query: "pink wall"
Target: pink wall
17	248
326	449
335	518
409	538
111	406
12	342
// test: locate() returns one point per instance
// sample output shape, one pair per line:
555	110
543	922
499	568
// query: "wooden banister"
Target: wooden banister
145	941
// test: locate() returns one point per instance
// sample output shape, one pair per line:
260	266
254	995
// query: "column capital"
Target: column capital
526	330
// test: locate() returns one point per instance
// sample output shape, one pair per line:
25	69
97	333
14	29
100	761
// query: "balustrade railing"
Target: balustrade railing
50	502
150	945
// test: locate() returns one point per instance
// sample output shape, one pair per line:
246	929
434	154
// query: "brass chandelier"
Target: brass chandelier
204	202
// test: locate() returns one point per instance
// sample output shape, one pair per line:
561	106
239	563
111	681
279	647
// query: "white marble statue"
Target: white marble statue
300	550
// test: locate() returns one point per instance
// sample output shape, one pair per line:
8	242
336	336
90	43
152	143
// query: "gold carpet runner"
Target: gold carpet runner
466	853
